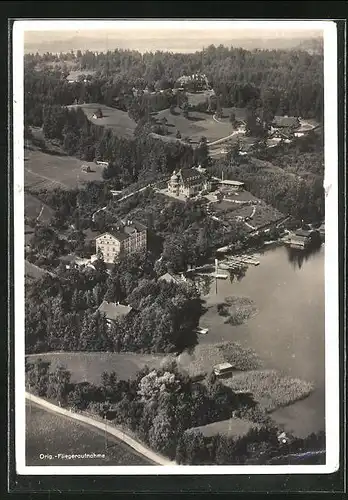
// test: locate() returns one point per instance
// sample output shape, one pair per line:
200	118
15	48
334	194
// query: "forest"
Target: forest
162	406
291	81
129	160
61	310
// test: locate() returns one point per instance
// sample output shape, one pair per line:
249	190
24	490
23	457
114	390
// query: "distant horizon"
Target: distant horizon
167	36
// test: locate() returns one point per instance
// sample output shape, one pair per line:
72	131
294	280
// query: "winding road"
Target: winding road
113	431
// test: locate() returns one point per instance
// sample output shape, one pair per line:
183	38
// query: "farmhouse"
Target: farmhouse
86	168
98	114
189	182
284	126
114	310
128	237
170	278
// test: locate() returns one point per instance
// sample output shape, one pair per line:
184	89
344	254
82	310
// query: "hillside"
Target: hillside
117	120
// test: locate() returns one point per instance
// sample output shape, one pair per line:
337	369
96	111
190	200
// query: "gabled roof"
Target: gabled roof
305	233
113	310
169	278
124	230
286	121
188	174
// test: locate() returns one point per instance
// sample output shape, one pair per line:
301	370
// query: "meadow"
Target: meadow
89	366
51	434
195	126
113	118
49	171
235	427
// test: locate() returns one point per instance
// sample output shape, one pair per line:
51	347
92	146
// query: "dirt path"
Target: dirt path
140	448
223	139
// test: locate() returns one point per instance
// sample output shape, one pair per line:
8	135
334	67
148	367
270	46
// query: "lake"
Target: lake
288	332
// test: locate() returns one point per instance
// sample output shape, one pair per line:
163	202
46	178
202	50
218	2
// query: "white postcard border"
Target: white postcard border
331	253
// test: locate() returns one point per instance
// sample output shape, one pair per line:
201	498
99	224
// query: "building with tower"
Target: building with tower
189	182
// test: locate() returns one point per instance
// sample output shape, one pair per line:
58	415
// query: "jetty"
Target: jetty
220	276
244	259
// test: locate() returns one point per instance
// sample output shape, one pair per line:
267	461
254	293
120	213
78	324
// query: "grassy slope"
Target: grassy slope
46	171
113	118
33	207
235	427
48	433
197	125
88	366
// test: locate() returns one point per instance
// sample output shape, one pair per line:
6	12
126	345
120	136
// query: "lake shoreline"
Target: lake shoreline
275	326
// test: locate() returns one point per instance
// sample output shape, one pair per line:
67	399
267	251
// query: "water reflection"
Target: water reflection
203	283
297	256
237	274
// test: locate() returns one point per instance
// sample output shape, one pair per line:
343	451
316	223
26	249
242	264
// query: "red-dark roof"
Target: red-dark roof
286	121
190	174
123	231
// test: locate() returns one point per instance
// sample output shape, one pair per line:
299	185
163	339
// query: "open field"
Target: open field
270	388
117	120
233	427
46	171
89	366
50	434
197	125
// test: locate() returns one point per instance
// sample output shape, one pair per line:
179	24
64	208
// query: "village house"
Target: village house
128	237
284	127
114	311
86	168
189	182
97	114
233	185
170	278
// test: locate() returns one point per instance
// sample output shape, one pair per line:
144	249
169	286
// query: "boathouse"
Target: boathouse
301	238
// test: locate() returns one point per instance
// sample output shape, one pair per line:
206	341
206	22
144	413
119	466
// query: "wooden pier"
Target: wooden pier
244	259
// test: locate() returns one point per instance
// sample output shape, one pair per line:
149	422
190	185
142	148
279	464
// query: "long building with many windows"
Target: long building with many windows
128	237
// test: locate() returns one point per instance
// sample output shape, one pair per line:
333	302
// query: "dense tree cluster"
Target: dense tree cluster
182	231
296	188
129	159
61	310
270	78
161	406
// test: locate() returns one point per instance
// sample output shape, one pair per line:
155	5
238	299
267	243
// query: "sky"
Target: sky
183	36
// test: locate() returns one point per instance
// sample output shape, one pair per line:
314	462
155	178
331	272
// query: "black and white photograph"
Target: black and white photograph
175	247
